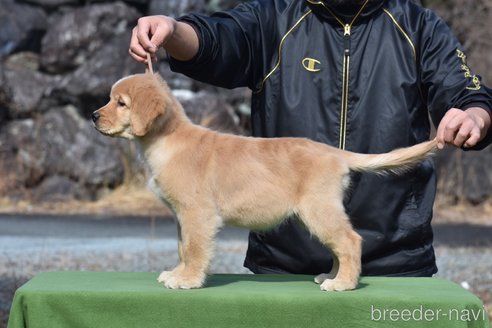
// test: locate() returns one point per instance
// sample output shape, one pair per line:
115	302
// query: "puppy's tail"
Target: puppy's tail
396	161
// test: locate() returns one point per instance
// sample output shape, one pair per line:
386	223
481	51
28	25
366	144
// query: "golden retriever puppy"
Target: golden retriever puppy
209	179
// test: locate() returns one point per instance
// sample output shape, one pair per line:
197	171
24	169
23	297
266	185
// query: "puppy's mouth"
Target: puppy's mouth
106	132
114	133
109	133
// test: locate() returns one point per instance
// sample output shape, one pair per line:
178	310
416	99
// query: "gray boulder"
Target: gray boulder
217	5
52	4
20	168
76	34
57	189
175	8
63	145
23	90
208	110
21	27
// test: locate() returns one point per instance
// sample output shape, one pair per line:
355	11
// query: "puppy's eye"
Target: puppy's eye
121	103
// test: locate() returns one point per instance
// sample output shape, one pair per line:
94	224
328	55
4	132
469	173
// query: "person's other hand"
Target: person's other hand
463	128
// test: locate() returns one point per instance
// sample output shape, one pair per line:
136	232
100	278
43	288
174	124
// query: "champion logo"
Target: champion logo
311	64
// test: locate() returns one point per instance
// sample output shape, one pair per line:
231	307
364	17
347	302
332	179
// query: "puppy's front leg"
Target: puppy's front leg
195	246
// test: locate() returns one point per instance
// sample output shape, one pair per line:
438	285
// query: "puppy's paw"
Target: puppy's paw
165	275
337	285
178	279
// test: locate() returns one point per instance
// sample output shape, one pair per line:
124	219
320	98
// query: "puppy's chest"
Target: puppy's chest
153	185
157	162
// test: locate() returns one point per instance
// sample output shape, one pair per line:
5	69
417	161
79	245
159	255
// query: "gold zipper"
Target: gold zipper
345	87
347	29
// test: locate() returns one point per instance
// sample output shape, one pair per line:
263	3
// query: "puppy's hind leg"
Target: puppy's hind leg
332	227
195	246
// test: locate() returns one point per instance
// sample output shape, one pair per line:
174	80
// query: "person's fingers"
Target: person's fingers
453	126
160	33
136	50
463	132
441	129
474	138
143	34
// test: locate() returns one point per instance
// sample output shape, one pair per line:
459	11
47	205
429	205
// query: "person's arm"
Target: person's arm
235	45
458	102
152	32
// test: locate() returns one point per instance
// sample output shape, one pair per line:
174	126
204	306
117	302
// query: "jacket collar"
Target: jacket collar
344	14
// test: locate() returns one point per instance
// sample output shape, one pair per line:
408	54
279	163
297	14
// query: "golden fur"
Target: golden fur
209	179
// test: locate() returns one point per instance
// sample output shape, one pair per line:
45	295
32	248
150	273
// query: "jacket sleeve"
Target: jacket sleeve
231	47
447	81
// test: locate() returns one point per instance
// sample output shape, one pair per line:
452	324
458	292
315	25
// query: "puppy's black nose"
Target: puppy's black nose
95	116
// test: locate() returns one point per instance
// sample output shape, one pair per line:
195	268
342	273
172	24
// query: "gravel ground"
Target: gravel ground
32	245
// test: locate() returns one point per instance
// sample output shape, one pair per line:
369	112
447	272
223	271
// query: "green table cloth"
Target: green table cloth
109	299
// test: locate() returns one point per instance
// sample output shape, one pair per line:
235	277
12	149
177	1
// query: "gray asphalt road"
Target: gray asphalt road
31	244
83	227
97	227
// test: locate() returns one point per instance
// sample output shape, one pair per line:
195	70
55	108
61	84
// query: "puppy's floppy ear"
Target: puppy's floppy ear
147	103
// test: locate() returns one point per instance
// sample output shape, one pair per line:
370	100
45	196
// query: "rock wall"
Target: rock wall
59	58
58	61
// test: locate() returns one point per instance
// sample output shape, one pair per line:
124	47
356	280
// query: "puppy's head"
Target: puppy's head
135	104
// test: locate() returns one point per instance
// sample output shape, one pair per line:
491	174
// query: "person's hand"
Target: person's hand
463	128
150	33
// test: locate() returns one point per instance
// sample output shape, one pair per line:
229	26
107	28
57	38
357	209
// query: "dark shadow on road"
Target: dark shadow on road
462	235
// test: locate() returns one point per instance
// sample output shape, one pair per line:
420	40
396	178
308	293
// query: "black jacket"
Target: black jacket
365	84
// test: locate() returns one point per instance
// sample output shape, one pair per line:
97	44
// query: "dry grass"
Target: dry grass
133	199
462	212
126	200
